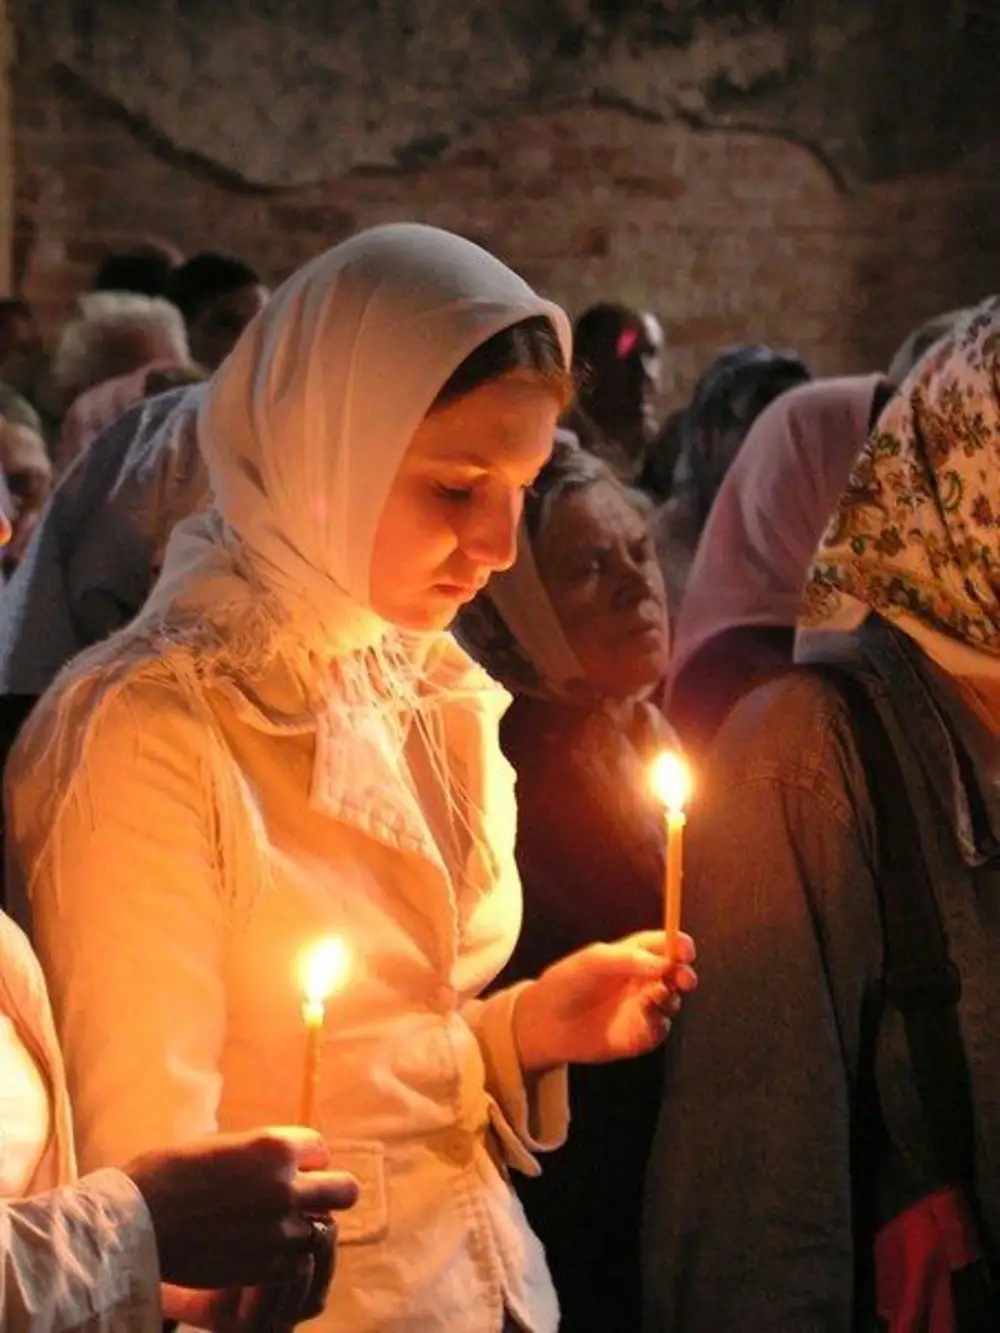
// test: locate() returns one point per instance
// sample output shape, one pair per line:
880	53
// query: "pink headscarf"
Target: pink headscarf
97	408
771	511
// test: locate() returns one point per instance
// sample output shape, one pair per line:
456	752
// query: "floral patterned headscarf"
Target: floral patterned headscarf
917	534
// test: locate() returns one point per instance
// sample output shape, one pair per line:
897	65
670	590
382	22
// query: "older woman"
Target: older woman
577	630
305	752
795	1121
105	358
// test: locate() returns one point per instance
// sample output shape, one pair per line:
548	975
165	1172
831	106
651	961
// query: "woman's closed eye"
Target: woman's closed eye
454	494
461	492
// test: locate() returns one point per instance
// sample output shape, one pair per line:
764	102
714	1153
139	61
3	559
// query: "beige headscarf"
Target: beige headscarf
303	429
917	534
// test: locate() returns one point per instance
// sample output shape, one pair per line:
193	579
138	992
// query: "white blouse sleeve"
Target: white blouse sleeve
82	1258
128	922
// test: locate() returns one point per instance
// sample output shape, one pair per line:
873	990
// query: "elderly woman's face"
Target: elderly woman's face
598	562
452	515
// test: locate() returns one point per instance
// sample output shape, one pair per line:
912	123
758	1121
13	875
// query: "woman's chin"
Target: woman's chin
431	611
644	673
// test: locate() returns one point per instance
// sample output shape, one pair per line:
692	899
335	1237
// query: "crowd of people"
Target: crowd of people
362	608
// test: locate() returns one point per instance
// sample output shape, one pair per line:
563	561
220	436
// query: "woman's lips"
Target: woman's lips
647	629
462	592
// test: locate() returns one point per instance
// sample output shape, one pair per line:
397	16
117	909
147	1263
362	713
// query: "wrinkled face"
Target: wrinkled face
214	330
451	517
597	559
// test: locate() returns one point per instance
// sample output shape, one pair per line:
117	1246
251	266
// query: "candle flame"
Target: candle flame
323	969
671	779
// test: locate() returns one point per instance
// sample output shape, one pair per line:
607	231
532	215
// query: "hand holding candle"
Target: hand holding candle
322	970
672	784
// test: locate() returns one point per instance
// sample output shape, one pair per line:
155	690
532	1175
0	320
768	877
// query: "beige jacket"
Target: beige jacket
175	989
80	1257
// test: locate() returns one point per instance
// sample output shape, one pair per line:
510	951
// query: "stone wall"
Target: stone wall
716	192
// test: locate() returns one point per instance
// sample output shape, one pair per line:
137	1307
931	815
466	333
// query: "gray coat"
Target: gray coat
749	1201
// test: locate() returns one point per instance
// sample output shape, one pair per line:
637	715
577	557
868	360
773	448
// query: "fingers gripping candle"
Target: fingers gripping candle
322	971
672	784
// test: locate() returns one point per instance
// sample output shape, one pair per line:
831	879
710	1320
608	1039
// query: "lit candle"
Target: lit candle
322	971
672	784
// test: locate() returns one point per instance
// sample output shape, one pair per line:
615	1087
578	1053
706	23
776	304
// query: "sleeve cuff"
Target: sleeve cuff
530	1113
130	1241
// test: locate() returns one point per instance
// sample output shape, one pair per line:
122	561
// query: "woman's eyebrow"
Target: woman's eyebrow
469	459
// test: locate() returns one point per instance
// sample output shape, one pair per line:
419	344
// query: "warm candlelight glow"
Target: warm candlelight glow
672	781
323	970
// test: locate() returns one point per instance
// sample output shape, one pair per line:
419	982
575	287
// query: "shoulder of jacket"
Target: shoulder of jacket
795	730
108	716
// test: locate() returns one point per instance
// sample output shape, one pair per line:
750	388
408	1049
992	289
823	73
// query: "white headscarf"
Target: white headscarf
526	608
305	425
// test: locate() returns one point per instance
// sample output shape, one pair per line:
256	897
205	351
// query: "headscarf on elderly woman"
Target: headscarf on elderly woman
577	630
756	1134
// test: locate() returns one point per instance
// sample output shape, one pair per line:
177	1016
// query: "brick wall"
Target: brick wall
730	236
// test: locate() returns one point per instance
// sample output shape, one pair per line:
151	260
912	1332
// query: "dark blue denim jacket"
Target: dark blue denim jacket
749	1219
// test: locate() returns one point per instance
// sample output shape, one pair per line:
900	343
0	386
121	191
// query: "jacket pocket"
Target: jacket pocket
369	1218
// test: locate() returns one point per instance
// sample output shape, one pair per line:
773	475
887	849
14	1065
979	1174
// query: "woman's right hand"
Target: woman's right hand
605	1002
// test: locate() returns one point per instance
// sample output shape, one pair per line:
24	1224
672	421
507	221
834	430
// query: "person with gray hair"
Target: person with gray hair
104	357
577	631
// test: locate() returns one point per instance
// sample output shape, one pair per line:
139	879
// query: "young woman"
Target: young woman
284	746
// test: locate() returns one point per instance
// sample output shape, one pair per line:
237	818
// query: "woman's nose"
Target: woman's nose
634	585
490	537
